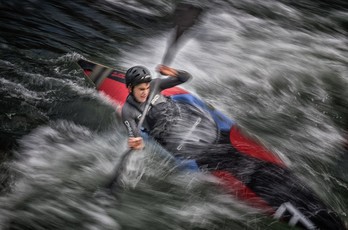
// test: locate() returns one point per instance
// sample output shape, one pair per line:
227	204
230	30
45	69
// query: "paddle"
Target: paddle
185	17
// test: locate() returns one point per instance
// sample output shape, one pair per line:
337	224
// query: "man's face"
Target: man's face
141	92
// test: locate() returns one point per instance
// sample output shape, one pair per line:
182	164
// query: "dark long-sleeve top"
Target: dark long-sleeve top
133	110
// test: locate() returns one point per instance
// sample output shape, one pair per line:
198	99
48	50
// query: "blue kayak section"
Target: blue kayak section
223	122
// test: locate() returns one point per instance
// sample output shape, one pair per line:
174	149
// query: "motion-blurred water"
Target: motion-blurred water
279	68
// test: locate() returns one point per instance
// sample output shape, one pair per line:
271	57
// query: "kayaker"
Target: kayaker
140	83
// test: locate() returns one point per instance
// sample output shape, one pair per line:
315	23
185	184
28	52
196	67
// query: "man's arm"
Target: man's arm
129	121
134	141
176	77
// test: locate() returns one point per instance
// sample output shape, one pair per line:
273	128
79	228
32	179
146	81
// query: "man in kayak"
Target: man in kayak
139	83
176	126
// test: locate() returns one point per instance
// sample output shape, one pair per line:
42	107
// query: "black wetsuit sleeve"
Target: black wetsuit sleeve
129	121
169	82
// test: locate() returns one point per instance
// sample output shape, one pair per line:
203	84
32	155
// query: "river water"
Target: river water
278	68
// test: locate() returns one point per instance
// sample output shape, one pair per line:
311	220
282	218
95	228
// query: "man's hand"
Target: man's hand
165	70
135	143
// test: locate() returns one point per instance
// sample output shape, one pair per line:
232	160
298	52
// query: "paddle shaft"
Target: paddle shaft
119	168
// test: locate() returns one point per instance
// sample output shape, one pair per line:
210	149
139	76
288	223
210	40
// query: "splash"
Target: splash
60	171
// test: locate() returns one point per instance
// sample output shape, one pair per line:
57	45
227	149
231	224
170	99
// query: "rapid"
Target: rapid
278	68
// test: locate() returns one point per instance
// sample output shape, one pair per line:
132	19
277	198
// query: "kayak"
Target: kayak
247	169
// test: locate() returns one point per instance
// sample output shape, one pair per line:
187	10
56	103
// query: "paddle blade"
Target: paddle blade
185	17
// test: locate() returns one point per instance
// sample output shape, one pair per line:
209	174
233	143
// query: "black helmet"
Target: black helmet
137	75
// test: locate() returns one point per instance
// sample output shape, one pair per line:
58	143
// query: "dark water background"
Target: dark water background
279	68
